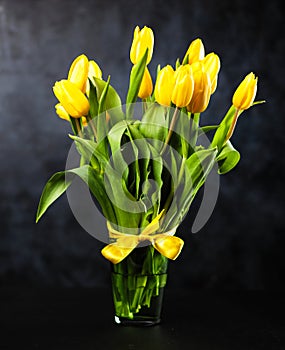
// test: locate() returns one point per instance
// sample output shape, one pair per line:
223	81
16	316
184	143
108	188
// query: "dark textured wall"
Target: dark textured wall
242	245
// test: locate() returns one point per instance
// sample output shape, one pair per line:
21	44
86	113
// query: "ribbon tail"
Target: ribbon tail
115	253
169	246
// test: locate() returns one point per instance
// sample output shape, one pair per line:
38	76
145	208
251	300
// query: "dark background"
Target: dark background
242	245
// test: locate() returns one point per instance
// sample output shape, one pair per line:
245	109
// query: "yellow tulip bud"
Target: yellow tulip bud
143	39
183	86
94	71
245	93
84	121
164	86
202	89
212	66
71	98
146	85
78	72
196	51
61	112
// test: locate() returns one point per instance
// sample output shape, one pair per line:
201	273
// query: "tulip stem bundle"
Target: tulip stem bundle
145	171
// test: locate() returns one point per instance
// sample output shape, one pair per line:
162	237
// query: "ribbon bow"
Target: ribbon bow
165	243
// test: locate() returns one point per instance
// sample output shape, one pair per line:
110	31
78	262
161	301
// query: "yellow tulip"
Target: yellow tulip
202	89
196	51
78	72
143	39
71	98
212	66
94	71
245	93
164	86
146	85
61	112
183	86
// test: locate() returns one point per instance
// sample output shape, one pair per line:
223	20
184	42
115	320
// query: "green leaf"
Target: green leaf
187	130
157	174
227	158
258	102
220	136
194	127
96	184
115	136
74	125
127	209
158	69
112	99
153	124
185	59
134	166
197	168
58	184
91	151
169	182
144	164
177	63
93	100
53	189
150	168
136	77
207	128
103	97
111	102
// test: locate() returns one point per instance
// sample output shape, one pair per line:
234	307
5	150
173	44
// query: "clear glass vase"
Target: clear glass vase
137	285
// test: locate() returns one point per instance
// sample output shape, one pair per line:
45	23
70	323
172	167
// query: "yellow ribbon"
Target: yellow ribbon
166	244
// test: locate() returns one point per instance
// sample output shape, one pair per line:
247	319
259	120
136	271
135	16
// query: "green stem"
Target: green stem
74	126
180	176
144	103
137	280
181	171
78	127
91	123
170	130
195	118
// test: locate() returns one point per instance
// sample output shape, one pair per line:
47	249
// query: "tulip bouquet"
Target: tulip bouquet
143	160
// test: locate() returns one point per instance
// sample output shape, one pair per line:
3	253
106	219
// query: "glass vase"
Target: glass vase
137	285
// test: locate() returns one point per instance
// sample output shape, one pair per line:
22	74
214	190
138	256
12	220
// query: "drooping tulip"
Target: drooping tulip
71	98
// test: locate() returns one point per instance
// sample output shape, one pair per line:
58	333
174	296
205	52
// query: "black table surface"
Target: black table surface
77	318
